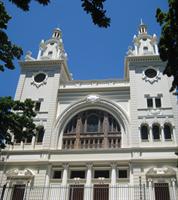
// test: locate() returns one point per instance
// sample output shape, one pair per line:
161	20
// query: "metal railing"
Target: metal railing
95	192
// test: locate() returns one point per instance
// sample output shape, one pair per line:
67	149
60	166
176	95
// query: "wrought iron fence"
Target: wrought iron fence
95	192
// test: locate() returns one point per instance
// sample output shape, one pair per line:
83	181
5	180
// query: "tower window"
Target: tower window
150	103
158	102
167	132
37	106
50	53
144	132
40	77
156	132
40	134
145	48
150	73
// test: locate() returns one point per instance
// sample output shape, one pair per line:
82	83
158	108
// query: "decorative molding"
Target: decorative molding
151	80
92	98
33	82
16	173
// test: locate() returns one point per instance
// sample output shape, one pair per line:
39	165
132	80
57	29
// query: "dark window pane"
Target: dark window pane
77	174
57	174
158	102
150	73
40	135
156	132
167	132
101	173
150	103
29	139
40	77
92	123
37	106
122	173
144	132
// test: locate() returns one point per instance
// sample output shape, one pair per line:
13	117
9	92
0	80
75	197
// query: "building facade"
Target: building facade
111	133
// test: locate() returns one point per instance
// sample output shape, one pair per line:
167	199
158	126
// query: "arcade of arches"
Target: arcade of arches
92	129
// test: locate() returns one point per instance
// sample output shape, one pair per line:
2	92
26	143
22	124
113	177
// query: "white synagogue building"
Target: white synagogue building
102	139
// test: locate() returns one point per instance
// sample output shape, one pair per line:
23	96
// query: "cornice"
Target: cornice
86	151
48	63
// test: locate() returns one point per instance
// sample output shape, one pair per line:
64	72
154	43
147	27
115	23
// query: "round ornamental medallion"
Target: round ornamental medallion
40	77
150	73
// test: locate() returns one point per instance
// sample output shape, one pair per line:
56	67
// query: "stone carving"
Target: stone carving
92	98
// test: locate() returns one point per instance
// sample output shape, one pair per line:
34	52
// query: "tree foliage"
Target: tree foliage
16	118
168	43
9	51
96	9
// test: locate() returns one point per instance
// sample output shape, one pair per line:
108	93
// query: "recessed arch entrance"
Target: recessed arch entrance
84	107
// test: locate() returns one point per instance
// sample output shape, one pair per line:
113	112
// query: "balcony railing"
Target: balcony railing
96	192
91	141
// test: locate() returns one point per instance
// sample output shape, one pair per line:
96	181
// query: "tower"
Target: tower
40	79
150	101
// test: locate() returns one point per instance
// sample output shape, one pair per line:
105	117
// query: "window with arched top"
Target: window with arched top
144	131
167	131
156	131
92	129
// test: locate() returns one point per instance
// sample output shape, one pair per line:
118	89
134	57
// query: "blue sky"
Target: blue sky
93	53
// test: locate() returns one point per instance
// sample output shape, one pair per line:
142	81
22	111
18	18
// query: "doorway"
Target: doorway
76	192
162	191
18	192
101	192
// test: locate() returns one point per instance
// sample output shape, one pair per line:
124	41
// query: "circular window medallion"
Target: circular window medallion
150	73
39	77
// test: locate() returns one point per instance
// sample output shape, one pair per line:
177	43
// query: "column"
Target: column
150	133
78	130
65	174
162	134
173	181
105	130
151	192
113	186
156	49
33	142
64	186
88	186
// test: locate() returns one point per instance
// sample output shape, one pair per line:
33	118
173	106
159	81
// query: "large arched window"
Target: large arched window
144	131
92	129
167	131
156	131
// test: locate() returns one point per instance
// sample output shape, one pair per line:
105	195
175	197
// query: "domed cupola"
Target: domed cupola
52	48
144	44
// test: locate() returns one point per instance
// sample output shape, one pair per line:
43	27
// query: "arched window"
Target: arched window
156	131
90	129
40	134
144	132
167	131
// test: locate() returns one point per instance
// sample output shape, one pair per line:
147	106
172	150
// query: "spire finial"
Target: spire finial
141	22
